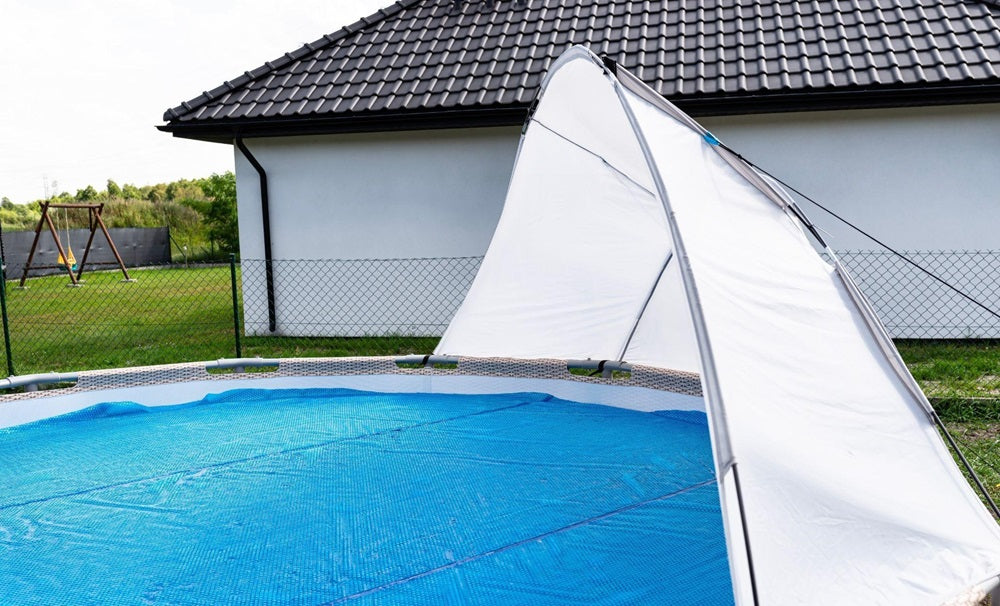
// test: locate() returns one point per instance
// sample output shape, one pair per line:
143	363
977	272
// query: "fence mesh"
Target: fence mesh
166	315
914	305
374	307
356	297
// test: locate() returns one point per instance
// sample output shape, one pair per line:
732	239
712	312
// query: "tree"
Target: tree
155	193
130	192
18	216
113	190
86	194
223	228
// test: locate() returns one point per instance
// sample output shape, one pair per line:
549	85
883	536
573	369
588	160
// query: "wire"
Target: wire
892	250
966	446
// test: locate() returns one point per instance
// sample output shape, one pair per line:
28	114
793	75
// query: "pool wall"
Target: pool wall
646	389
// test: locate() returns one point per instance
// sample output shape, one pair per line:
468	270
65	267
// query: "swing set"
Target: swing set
66	258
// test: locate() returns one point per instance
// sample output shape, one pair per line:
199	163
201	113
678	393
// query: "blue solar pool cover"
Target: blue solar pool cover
328	496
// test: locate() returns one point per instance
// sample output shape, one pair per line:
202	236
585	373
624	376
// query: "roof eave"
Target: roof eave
224	131
839	99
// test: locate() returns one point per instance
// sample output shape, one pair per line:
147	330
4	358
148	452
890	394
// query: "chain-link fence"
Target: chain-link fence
914	305
166	315
356	297
372	307
200	312
351	307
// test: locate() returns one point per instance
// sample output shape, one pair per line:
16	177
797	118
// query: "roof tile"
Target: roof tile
423	54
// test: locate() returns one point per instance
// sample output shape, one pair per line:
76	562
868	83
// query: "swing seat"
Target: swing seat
72	259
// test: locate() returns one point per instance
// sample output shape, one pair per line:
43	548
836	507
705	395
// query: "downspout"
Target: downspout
265	215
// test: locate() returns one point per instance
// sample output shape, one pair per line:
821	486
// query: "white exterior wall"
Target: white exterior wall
369	196
921	179
917	178
377	195
925	180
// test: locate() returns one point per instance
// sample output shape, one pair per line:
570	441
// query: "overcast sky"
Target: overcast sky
83	83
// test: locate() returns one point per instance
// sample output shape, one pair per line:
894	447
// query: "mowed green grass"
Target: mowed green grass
175	315
953	370
184	315
962	380
165	316
980	442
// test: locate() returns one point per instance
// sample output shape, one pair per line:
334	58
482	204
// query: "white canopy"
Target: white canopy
630	234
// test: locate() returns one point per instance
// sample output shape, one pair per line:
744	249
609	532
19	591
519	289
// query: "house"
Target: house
393	138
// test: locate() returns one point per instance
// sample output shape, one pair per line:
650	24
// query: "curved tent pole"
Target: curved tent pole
713	393
875	325
717	417
884	341
709	372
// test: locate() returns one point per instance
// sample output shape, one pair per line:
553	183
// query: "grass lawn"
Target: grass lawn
952	372
166	315
980	442
183	315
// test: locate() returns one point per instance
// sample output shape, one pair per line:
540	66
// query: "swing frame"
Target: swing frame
95	221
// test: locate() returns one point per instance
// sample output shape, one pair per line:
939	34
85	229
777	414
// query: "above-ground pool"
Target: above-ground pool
332	495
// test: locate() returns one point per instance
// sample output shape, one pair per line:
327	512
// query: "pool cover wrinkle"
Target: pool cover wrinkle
519	543
332	496
123	408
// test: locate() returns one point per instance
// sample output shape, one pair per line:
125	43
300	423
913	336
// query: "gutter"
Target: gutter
835	99
223	130
265	214
726	104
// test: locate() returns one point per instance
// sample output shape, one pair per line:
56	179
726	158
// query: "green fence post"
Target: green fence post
6	321
236	306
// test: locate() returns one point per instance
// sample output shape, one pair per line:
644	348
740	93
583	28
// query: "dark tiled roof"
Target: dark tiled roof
428	55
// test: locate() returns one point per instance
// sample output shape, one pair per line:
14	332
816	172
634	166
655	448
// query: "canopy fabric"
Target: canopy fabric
628	233
580	242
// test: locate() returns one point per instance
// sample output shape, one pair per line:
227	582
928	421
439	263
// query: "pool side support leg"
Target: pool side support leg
236	307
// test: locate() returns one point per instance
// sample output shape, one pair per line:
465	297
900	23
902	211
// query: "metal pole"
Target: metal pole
3	255
3	305
645	304
713	391
6	320
236	307
968	466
